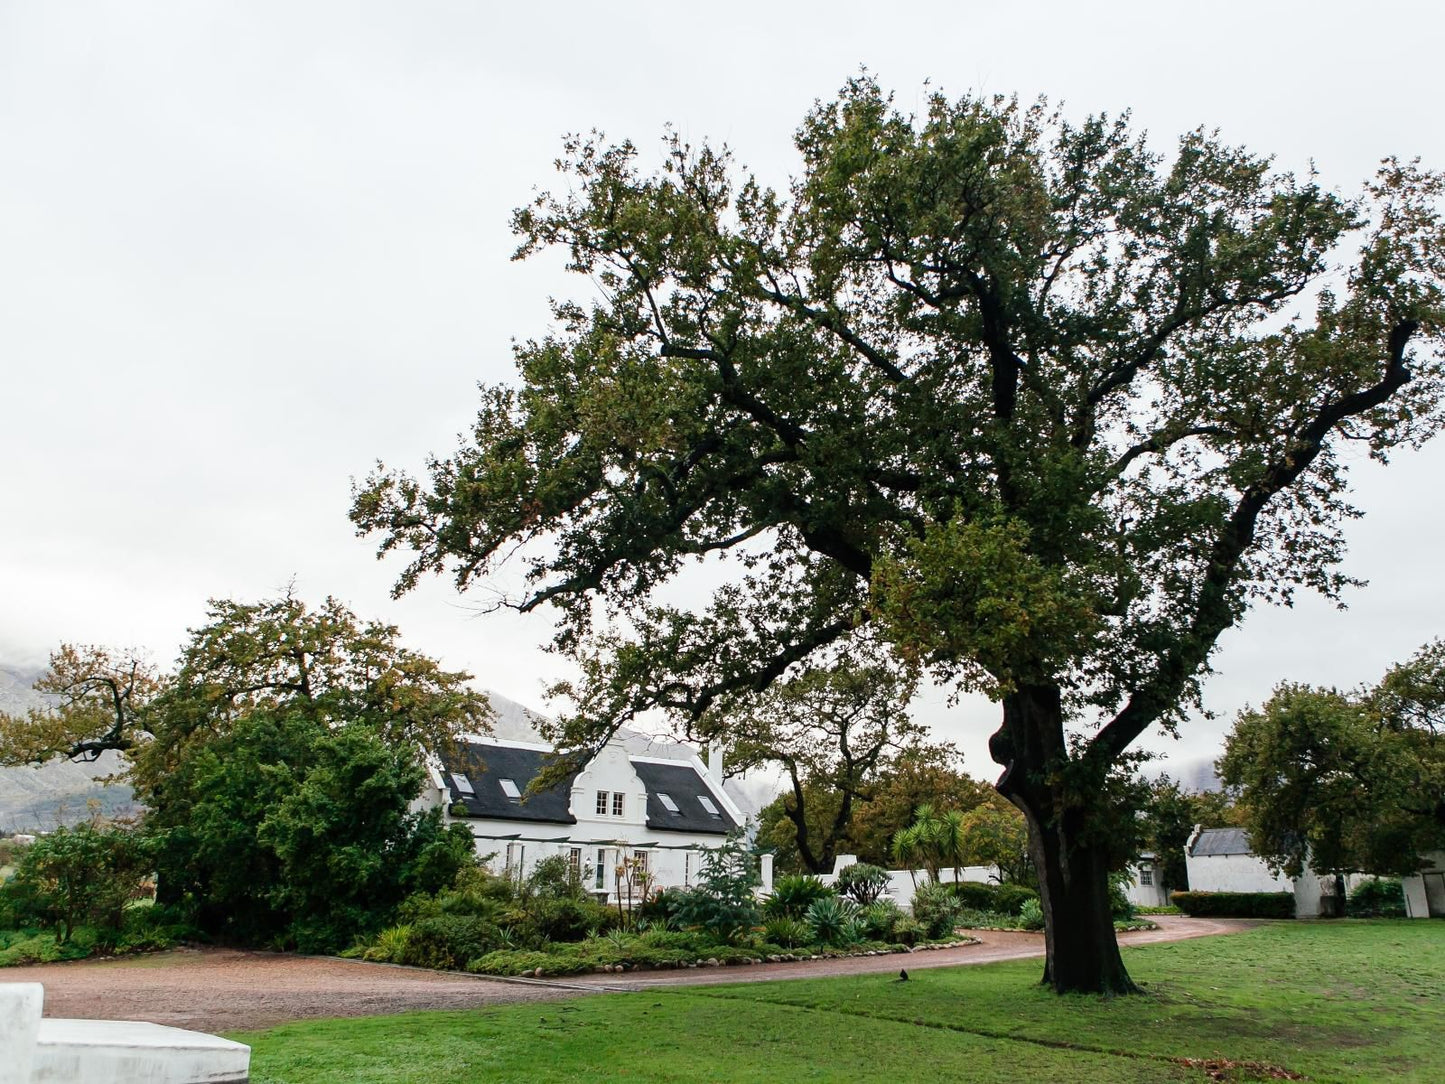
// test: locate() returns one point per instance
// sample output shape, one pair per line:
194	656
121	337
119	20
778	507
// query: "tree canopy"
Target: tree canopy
1345	782
278	761
1045	407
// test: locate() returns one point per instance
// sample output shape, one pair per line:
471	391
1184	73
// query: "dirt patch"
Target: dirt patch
228	990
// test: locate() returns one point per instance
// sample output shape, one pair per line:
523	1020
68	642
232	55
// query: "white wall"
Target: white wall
901	882
1421	887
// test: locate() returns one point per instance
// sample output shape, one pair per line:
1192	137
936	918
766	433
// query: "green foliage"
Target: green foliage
82	876
448	942
722	901
787	932
833	921
1031	915
880	920
794	894
1346	781
1169	814
862	883
1379	897
1120	906
935	907
1235	904
1006	899
664	907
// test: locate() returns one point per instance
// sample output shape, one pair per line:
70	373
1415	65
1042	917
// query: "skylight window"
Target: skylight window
667	802
509	788
462	783
707	804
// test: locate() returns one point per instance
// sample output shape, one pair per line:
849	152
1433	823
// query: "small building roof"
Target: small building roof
485	765
1220	841
690	793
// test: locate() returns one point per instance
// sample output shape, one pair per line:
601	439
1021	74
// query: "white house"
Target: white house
1221	860
660	814
1146	886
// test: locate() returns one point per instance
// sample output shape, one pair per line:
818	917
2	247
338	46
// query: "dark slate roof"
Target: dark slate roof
1212	841
682	783
485	766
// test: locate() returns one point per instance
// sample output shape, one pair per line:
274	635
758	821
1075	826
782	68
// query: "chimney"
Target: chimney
715	763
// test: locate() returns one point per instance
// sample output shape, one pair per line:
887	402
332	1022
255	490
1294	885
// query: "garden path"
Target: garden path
222	990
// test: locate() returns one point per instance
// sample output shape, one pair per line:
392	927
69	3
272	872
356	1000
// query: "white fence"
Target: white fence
901	882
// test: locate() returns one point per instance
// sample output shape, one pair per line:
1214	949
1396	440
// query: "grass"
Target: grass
1348	1001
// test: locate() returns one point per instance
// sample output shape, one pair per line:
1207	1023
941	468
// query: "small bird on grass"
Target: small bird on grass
902	976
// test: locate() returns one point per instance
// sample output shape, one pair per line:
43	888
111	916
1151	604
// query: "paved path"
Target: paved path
229	990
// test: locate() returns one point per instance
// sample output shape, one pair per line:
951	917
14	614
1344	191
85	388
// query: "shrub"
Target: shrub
832	920
1031	915
722	903
389	946
787	932
553	878
1383	897
976	895
663	908
448	942
908	930
1009	899
880	918
935	907
862	883
794	894
561	918
1235	904
82	876
1120	906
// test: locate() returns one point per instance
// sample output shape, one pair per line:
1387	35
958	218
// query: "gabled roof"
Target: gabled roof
687	788
485	765
1217	841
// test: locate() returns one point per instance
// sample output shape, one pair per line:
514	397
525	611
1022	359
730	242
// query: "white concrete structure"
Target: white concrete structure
1425	891
1221	860
902	882
52	1051
623	821
1146	886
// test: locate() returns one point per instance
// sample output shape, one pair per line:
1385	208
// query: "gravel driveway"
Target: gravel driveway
229	990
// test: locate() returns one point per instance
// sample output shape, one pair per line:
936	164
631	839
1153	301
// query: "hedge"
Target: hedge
1235	904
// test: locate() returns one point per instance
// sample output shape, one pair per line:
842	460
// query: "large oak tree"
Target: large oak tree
1046	407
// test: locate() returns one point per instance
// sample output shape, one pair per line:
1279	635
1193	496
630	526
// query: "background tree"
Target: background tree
832	730
1024	394
278	762
1344	782
81	876
994	833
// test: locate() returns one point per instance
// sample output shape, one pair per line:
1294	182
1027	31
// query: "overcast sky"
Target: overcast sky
246	249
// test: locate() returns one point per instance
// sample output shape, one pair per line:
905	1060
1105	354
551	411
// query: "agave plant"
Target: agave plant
832	920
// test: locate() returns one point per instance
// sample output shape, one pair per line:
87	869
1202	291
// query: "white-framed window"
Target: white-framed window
509	788
1146	876
602	803
574	862
516	855
708	804
667	803
619	801
687	869
601	881
462	783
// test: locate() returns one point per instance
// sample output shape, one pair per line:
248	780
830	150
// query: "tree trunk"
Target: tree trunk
1073	867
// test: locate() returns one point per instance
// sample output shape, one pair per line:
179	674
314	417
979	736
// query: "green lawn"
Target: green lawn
1360	1001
